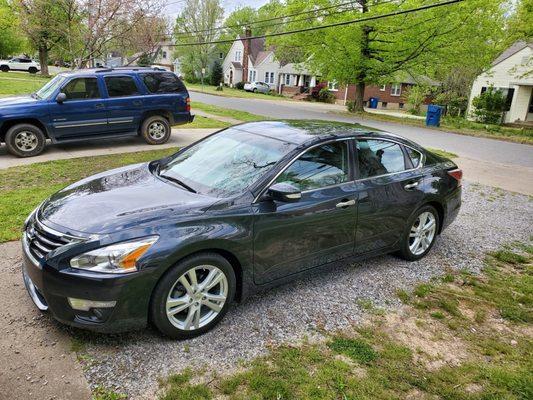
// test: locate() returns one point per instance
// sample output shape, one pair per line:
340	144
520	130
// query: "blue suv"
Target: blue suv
95	104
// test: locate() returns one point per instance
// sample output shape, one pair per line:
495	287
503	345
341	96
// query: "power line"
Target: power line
314	28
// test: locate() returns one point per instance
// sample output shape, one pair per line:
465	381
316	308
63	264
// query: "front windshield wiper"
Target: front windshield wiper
176	180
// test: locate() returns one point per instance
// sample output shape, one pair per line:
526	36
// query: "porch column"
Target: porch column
313	81
301	80
520	104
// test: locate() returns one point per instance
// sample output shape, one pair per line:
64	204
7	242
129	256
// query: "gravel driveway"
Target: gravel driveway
131	363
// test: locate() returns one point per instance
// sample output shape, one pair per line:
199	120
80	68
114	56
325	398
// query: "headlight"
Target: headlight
117	258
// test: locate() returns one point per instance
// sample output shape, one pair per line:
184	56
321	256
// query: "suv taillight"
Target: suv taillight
188	105
456	174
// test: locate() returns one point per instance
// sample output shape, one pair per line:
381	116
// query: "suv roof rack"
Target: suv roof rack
105	69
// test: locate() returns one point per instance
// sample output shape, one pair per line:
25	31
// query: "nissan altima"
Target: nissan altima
175	241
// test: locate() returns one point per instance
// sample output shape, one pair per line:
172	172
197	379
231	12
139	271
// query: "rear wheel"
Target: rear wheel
193	296
4	68
420	235
25	140
155	130
32	70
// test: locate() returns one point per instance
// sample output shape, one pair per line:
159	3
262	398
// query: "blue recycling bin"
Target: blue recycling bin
373	102
433	115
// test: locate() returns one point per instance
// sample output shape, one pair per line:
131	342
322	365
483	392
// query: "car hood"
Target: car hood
120	199
17	101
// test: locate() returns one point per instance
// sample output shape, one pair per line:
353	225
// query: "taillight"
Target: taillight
188	105
456	174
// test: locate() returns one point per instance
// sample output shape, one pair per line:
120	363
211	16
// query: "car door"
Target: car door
15	64
388	192
82	113
320	228
124	103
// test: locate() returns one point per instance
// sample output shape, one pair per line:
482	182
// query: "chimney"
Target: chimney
246	53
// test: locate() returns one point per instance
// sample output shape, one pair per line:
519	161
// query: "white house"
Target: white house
248	60
512	73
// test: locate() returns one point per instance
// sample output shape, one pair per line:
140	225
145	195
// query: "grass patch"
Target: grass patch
102	393
178	387
231	92
18	83
204	123
455	347
23	188
443	153
226	112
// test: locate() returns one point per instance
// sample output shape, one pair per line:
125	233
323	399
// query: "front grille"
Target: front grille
42	240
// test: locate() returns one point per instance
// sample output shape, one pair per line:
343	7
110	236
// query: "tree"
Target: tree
195	24
520	25
426	42
489	106
41	21
216	73
10	39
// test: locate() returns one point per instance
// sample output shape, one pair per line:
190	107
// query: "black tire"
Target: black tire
30	145
4	68
405	251
155	130
158	314
255	90
32	70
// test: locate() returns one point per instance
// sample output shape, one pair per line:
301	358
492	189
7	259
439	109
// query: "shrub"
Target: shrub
415	97
326	96
216	73
350	105
239	85
489	106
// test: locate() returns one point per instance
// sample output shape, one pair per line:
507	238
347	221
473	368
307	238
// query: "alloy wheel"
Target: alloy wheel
157	130
197	297
26	141
422	233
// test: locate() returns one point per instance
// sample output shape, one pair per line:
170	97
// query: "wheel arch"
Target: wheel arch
440	211
12	122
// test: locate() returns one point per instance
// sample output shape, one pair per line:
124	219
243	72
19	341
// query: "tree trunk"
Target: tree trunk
43	60
359	96
365	55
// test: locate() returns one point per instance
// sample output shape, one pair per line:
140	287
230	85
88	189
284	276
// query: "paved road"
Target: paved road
488	150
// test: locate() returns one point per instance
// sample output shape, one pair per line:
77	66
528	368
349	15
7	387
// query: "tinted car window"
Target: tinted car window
321	166
379	157
82	88
118	86
163	83
415	156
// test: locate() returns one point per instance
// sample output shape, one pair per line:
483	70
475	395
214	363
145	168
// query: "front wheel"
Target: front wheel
32	70
25	140
420	234
4	68
193	296
155	130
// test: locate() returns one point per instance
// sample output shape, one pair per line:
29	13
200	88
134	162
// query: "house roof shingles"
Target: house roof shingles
514	48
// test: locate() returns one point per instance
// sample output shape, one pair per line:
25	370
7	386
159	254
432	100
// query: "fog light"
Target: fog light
86	305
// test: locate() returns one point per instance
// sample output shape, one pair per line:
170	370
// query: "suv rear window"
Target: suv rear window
119	86
165	82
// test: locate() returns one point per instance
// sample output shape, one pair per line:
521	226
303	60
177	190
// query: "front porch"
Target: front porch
521	110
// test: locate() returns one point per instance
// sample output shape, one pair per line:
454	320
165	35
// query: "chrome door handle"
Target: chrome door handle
344	204
411	185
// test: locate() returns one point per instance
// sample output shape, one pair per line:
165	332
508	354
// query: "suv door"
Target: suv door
83	112
320	228
124	103
388	187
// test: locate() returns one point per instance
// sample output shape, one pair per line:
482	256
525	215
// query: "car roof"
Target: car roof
121	70
307	132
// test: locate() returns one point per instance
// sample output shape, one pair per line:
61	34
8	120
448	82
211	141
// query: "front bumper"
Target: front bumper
50	289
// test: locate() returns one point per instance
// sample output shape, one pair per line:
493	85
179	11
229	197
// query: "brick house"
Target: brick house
390	96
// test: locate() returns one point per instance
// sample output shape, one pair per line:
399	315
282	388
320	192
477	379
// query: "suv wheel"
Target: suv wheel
421	233
192	297
25	140
155	130
32	70
4	68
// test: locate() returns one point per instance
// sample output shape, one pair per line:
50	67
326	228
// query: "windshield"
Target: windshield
50	87
226	163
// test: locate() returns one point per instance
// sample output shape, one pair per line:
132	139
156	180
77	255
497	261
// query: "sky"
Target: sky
174	6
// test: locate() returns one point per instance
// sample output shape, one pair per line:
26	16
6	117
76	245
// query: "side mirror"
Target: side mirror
284	192
61	97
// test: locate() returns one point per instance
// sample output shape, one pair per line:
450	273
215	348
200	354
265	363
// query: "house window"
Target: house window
221	55
164	54
252	74
333	86
384	104
382	88
269	77
287	79
396	89
400	105
238	55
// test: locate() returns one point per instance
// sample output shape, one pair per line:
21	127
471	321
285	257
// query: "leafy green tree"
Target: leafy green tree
520	25
216	73
489	106
428	42
415	97
10	39
144	60
235	24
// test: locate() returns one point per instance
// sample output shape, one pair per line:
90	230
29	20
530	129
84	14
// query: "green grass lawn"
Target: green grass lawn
227	112
461	336
460	126
23	188
204	123
17	83
231	92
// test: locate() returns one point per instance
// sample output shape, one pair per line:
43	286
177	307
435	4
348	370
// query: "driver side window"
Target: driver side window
82	89
319	167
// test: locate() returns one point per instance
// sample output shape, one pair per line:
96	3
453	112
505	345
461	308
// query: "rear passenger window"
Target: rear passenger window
81	89
379	157
414	155
165	82
119	86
